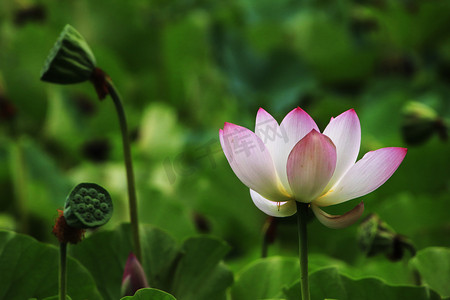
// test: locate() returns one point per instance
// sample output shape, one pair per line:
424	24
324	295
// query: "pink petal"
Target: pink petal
369	173
340	221
251	161
310	166
281	139
297	124
133	277
345	132
264	120
274	209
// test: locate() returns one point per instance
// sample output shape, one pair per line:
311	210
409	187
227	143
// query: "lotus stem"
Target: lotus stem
302	213
129	168
62	271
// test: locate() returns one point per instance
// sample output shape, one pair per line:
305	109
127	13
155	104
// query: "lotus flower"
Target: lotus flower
293	161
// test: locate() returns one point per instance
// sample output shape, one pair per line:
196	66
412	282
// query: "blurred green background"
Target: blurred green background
184	68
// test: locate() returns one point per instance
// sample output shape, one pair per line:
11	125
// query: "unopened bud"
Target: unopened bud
133	277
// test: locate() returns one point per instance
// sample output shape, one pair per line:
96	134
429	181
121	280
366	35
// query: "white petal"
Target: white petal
268	130
345	132
369	173
274	209
251	161
310	166
340	221
266	127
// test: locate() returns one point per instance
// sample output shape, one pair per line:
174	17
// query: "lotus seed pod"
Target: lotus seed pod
101	197
70	60
93	193
87	200
88	206
83	192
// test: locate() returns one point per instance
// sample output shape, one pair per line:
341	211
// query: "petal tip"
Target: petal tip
350	113
263	113
228	125
398	150
261	110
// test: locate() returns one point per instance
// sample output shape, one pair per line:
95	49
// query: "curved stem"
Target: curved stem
129	168
302	213
19	181
62	271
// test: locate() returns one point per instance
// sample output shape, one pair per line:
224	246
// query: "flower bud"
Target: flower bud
88	206
133	277
70	60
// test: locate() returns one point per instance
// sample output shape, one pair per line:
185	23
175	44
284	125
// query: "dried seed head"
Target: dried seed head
70	60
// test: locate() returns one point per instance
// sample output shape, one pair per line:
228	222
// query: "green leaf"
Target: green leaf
328	283
265	278
54	298
30	269
153	294
194	272
105	254
199	274
433	265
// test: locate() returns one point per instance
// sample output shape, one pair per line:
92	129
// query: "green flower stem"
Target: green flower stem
62	271
269	233
302	213
265	247
129	168
19	176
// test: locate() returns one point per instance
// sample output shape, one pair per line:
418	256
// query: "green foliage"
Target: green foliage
329	283
153	294
55	298
265	278
199	274
432	263
183	69
30	269
192	271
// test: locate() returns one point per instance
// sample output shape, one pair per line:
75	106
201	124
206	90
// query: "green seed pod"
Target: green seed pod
88	206
70	60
